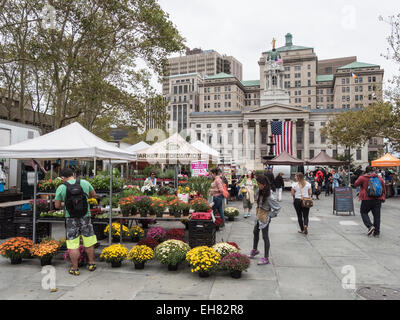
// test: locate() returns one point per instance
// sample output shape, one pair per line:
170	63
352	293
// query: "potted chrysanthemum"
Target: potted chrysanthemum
136	233
231	213
224	248
45	251
114	254
203	260
16	249
139	255
235	263
171	252
116	231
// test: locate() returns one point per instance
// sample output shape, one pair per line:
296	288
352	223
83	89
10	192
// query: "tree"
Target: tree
86	67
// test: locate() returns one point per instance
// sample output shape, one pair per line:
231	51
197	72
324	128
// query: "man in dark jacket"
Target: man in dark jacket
279	185
368	203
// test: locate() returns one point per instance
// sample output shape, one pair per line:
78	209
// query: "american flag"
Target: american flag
282	136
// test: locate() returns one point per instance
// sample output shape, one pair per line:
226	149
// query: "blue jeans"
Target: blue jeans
218	206
327	188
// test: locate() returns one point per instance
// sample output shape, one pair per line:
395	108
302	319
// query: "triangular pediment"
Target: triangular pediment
276	108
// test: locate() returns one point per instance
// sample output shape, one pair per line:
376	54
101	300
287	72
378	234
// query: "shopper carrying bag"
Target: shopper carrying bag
267	208
301	192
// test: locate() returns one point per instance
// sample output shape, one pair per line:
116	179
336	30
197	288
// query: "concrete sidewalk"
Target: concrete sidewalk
302	267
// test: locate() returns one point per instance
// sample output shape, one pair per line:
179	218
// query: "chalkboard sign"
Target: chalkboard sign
343	200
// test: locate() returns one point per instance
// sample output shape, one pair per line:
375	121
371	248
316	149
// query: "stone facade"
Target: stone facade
234	116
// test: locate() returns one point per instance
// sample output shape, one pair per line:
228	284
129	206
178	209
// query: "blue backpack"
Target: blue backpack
374	188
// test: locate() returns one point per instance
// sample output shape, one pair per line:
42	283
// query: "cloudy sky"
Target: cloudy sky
245	29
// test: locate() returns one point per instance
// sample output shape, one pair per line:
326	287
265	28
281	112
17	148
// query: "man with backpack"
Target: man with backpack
73	194
372	195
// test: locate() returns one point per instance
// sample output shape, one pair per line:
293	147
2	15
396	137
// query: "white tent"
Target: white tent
137	147
173	150
206	149
70	142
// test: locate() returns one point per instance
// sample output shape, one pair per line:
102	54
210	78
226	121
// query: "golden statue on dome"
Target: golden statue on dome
273	43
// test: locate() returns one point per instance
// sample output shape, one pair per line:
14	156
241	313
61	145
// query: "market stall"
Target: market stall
285	158
175	150
387	160
70	142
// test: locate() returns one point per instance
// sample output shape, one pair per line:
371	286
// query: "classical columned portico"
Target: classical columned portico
306	139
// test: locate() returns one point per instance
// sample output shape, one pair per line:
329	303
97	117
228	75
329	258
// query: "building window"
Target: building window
358	154
323	139
311	154
297	84
299	154
311	135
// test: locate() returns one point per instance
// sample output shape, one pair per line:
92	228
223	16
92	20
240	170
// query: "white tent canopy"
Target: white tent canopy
206	149
173	150
70	142
137	147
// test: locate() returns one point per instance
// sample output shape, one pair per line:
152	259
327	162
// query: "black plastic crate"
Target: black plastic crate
201	233
98	229
6	213
7	229
25	229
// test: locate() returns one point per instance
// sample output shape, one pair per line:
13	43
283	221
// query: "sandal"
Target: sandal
91	267
74	272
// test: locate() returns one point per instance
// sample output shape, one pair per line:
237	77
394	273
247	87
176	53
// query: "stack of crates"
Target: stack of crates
201	233
7	229
24	225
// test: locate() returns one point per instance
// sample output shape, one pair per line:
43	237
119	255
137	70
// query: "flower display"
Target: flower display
140	254
93	201
116	230
114	253
150	242
218	221
46	249
176	234
157	206
235	262
157	233
142	204
233	244
16	248
224	248
200	205
176	207
136	232
183	190
41	205
127	205
203	259
171	252
231	212
50	185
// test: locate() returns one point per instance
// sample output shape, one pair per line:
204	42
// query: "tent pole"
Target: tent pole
110	210
34	204
51	177
95	166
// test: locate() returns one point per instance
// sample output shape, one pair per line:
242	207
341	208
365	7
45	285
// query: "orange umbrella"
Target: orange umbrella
386	161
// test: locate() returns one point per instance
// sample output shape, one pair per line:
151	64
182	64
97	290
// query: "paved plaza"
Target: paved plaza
302	267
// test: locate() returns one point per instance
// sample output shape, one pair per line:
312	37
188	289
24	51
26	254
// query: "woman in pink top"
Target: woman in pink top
216	192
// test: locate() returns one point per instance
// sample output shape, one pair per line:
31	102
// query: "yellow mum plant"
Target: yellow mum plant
203	259
140	254
116	230
114	253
